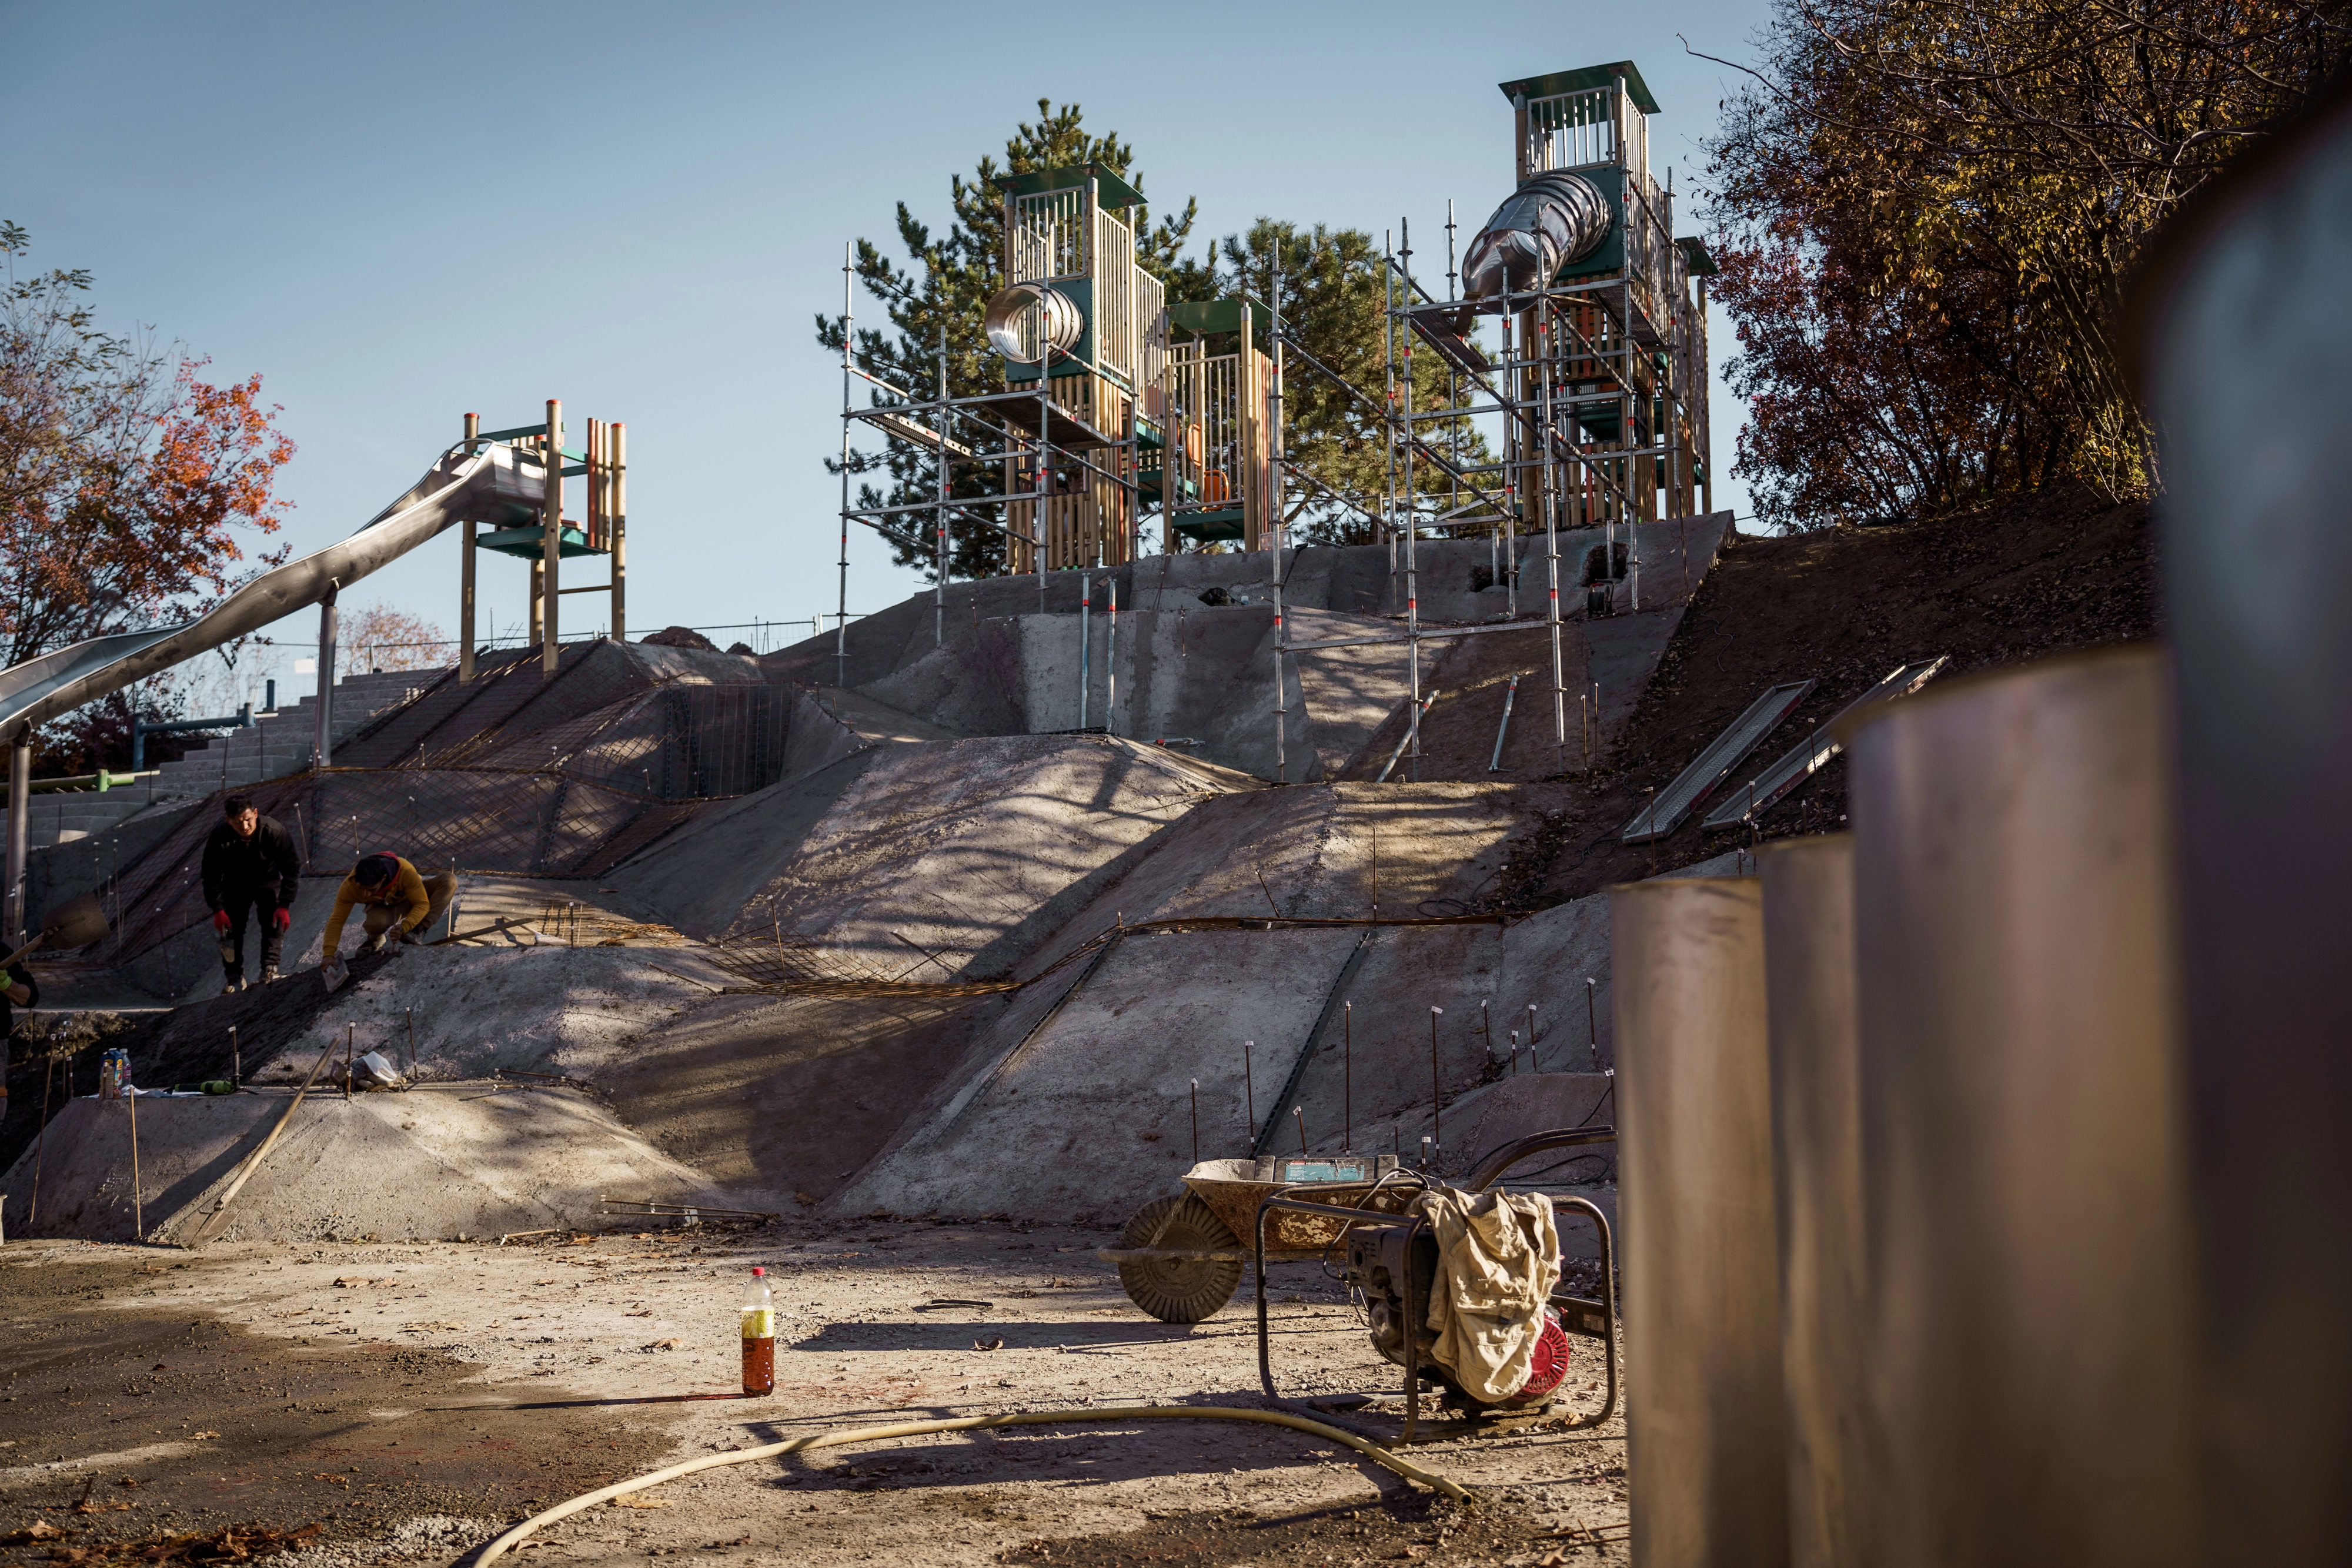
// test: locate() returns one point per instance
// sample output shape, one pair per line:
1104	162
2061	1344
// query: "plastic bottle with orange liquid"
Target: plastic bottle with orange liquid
758	1336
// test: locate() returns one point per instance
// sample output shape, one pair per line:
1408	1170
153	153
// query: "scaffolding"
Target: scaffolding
1113	403
1114	400
1599	383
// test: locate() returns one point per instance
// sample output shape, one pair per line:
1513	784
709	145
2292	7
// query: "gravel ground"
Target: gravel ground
411	1400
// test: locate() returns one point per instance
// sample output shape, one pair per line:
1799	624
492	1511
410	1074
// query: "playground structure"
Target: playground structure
493	482
1601	378
541	534
1116	398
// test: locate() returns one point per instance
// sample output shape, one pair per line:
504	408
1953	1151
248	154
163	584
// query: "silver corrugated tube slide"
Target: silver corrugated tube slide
1551	221
1020	315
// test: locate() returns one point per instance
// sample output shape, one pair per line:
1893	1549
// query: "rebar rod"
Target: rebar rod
848	321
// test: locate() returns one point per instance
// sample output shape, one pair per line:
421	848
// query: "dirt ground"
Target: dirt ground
2059	569
403	1403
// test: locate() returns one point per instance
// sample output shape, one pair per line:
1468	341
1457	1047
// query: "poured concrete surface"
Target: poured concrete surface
922	833
1077	1098
434	1162
897	851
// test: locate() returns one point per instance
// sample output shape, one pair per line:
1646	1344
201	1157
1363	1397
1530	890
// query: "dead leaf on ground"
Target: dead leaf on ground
39	1530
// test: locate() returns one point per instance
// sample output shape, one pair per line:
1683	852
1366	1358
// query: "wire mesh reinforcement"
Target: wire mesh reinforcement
514	774
784	965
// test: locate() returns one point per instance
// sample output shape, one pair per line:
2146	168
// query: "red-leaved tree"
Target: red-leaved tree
130	487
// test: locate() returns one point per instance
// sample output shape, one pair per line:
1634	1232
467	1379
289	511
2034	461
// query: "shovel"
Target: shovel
75	922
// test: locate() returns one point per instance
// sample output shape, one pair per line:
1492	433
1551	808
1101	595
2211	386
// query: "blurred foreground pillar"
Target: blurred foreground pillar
2248	331
2026	1249
1702	1412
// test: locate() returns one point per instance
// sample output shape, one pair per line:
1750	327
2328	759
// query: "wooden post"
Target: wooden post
552	536
1246	432
538	599
617	441
465	579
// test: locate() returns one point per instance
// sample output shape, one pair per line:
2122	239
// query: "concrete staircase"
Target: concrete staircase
278	743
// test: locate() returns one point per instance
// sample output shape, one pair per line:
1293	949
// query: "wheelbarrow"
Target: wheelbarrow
1181	1256
1590	1317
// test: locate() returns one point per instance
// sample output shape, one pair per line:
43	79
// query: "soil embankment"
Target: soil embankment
2047	573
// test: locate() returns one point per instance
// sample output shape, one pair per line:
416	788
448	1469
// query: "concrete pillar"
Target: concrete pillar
1817	1191
2015	944
1704	1418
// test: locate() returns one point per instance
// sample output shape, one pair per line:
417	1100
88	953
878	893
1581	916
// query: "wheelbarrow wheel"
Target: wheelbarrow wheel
1180	1290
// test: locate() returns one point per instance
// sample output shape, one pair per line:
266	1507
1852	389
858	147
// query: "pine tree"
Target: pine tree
1330	302
940	296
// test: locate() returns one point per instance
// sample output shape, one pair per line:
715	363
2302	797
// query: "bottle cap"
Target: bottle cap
759	1270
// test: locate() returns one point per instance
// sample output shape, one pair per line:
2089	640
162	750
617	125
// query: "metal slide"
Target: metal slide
495	484
489	486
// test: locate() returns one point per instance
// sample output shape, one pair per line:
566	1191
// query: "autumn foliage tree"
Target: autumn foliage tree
384	638
1927	212
130	487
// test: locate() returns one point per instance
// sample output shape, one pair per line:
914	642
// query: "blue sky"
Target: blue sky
400	213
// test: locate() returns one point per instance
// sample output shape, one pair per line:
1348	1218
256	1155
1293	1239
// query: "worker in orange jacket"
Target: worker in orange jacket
400	901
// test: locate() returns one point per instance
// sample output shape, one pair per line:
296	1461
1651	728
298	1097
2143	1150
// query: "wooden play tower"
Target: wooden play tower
542	535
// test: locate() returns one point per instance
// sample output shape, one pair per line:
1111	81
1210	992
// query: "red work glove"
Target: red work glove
220	921
280	918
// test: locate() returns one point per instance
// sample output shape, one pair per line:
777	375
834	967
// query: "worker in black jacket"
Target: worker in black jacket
250	866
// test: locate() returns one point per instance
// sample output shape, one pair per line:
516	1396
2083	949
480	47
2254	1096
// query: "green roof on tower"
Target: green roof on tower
1109	189
1560	82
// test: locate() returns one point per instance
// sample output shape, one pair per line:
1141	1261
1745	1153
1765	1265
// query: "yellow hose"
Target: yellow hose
1373	1451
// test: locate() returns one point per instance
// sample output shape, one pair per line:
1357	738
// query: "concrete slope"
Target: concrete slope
1091	1069
1349	579
779	1099
867	865
433	1163
1544	959
1617	655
